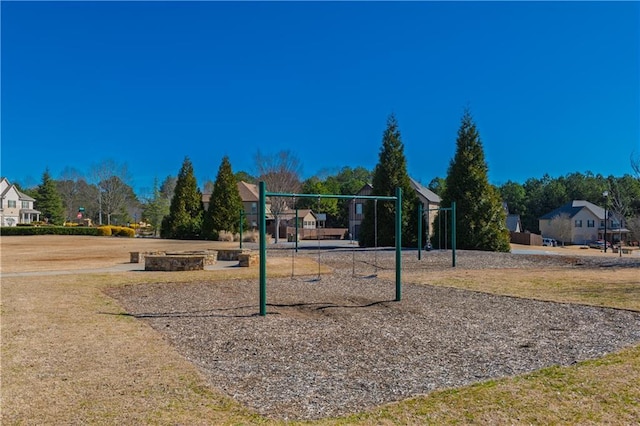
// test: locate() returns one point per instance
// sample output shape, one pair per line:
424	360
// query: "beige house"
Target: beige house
430	203
250	198
580	222
306	219
15	207
356	210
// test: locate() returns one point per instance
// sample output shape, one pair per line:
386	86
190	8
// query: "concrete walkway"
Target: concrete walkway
121	267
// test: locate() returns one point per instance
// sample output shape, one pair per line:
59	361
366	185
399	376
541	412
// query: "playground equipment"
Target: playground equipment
263	194
451	209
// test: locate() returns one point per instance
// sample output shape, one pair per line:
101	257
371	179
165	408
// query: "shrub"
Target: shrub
104	231
116	231
225	236
125	231
251	237
101	231
48	230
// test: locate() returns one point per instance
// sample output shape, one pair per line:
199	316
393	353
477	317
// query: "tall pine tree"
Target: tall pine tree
480	218
185	213
223	213
49	201
390	173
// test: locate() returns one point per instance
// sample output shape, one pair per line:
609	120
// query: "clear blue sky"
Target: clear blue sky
554	87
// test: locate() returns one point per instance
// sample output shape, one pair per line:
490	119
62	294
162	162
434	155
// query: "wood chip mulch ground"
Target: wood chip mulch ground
340	344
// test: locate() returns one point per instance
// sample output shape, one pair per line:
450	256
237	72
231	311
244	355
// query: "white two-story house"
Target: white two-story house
15	207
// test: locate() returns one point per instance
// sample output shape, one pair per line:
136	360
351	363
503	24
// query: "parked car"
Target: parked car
599	244
549	242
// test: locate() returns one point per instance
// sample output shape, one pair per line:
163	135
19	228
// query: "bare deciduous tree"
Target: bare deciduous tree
113	189
635	164
69	189
617	208
560	227
633	225
280	173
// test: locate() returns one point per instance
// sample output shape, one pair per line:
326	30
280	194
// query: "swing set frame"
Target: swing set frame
262	225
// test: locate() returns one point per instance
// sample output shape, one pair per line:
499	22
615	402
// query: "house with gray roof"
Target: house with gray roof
429	199
586	221
15	206
513	223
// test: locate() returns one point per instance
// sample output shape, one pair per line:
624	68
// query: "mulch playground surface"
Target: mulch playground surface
340	344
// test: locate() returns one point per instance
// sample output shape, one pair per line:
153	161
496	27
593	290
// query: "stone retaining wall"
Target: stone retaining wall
138	256
191	260
247	259
174	262
210	256
231	254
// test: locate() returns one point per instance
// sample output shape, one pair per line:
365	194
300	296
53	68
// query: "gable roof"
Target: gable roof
8	187
248	191
426	193
513	222
302	213
422	191
574	207
365	190
25	197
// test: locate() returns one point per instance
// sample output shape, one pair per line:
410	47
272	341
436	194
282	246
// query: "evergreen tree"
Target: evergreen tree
480	218
225	204
390	173
185	213
156	208
48	200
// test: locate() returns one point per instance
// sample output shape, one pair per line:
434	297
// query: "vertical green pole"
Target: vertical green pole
419	230
296	230
453	234
241	220
398	244
262	221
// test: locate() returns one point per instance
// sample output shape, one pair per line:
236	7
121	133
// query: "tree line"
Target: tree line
175	208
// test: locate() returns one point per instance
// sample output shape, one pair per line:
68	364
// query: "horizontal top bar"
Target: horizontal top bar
344	197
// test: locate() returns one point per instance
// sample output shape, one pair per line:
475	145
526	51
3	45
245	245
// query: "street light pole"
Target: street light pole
605	194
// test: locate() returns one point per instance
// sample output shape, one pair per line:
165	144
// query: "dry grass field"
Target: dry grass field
70	356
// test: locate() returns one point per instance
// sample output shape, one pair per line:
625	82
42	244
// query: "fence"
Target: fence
526	238
318	233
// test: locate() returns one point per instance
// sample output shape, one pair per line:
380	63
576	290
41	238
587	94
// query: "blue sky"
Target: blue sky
554	87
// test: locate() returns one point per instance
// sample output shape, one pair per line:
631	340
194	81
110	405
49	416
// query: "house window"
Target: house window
602	224
11	204
254	208
359	208
578	223
25	204
591	223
